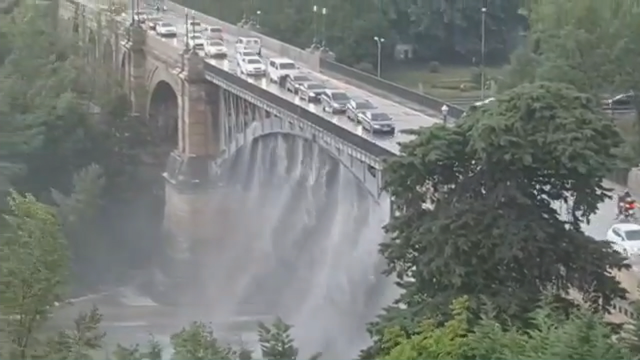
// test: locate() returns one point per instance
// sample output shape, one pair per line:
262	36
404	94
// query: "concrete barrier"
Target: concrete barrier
387	86
310	60
633	180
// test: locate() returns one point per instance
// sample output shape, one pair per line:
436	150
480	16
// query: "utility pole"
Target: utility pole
315	24
482	51
379	41
186	31
324	27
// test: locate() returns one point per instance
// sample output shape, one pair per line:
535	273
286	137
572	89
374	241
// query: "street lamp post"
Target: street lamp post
482	50
315	24
186	31
133	12
324	26
379	41
193	23
258	18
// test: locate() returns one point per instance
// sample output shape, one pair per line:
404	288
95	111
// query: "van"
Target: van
249	43
215	33
280	68
195	26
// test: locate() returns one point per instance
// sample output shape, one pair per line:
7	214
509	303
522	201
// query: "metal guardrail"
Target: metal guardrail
387	86
344	134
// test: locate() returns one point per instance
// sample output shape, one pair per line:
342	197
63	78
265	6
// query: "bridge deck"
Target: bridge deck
405	117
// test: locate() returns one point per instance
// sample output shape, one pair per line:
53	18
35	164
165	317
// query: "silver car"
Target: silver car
377	122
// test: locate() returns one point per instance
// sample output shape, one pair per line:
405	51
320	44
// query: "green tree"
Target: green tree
80	342
276	342
197	342
34	266
580	336
492	207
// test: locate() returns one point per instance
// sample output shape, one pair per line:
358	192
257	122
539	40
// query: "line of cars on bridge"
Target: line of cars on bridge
209	42
308	88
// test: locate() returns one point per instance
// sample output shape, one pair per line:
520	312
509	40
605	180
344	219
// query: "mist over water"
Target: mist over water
293	234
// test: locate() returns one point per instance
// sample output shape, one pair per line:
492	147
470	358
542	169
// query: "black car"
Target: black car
623	101
377	122
356	106
335	101
295	81
311	91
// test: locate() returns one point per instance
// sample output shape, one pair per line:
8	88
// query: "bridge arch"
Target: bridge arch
369	176
163	114
107	54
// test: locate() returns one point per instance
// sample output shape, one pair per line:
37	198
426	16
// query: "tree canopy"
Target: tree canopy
446	31
492	207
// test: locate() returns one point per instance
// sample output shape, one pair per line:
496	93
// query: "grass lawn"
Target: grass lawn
445	84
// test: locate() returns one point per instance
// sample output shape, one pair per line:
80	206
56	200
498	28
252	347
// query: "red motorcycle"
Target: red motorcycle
627	210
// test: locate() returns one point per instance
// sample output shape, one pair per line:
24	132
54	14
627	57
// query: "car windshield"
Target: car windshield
216	43
632	235
165	24
340	96
363	105
300	78
251	42
314	86
194	23
380	117
254	61
196	37
287	66
249	54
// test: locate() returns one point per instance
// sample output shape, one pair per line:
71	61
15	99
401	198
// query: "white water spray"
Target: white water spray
295	234
302	243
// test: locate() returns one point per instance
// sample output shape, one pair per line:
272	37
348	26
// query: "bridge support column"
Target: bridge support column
137	70
192	214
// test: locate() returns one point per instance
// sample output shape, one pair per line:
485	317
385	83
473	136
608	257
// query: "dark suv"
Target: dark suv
356	106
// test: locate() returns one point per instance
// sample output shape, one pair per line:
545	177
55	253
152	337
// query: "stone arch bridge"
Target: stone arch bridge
202	117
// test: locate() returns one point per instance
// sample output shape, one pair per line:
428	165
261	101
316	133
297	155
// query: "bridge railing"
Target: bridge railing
360	142
389	87
311	60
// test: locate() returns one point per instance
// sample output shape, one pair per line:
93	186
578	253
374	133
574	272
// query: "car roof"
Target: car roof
247	58
627	226
282	59
248	38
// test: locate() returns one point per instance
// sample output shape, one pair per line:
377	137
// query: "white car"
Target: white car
166	29
215	33
249	43
196	40
625	238
244	54
280	68
252	66
215	48
195	26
